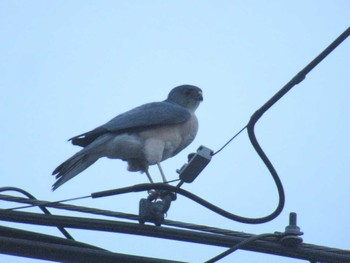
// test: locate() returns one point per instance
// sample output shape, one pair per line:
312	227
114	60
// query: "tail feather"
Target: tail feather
87	138
81	160
72	167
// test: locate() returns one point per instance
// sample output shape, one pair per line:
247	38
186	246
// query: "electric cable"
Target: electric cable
302	251
41	207
48	203
193	197
239	245
121	215
267	245
258	114
229	141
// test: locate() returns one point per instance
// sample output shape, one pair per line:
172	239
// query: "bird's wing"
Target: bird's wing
137	119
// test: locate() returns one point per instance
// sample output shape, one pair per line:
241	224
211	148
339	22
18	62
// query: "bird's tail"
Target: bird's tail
73	166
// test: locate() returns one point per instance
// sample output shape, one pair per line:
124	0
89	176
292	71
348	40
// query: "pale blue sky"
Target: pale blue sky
69	66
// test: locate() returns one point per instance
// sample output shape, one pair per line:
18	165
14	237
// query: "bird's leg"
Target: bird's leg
161	172
149	176
151	192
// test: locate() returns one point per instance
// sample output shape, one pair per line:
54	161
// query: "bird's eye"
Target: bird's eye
187	91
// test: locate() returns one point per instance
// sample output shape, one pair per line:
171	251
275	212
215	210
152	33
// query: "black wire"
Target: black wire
277	180
193	197
257	115
64	200
60	201
48	203
302	251
238	246
42	208
230	140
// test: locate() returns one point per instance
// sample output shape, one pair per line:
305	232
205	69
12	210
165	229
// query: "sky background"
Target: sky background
69	66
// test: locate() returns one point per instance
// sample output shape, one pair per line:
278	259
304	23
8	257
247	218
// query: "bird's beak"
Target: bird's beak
200	95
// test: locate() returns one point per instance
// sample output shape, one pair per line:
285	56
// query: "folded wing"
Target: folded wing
137	119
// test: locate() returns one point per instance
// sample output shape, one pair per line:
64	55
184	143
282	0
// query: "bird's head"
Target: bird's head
187	96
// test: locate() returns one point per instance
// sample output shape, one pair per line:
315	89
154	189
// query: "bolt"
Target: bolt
292	228
292	232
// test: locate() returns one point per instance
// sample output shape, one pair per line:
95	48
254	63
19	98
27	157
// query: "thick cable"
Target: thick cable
271	246
121	215
315	250
193	197
50	203
257	115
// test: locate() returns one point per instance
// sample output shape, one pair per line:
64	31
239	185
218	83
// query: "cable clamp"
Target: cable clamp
155	206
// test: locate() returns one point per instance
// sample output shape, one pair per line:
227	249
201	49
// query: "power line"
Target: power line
33	245
270	246
299	77
121	215
230	140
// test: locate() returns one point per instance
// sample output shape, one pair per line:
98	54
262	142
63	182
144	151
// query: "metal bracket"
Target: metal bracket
155	206
196	163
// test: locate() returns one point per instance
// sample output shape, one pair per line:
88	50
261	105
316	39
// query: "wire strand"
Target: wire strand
239	245
48	203
66	200
229	141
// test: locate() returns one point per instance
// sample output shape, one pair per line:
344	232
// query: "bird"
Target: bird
143	136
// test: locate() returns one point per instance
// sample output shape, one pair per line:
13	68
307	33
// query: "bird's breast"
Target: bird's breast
166	141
